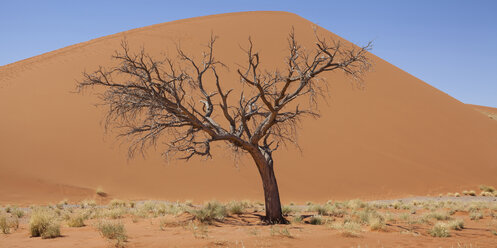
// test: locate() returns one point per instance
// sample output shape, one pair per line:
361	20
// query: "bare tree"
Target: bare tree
175	100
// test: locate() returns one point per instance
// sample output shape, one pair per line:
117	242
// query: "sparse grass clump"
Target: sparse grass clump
117	203
316	220
199	230
4	224
212	211
456	224
235	207
377	223
347	229
275	231
440	230
76	220
485	188
475	215
469	192
88	203
439	215
113	230
287	210
44	224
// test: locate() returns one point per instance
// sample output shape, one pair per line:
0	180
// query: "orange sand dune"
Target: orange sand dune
488	111
397	137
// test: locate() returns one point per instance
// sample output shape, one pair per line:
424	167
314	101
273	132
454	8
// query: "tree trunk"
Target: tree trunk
264	163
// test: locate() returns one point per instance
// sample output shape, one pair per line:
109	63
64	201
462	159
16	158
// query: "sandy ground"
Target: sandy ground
246	230
395	138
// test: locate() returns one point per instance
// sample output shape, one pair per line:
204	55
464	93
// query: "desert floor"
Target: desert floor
397	223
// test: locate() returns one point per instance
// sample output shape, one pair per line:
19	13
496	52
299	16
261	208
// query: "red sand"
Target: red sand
397	137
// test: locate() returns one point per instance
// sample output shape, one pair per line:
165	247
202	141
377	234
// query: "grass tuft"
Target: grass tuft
440	230
44	224
212	211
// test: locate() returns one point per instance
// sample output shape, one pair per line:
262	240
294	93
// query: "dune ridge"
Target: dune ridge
397	137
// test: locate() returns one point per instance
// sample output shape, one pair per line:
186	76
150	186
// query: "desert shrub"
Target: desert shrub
286	210
347	229
469	192
377	223
100	191
356	203
457	194
456	224
440	229
115	213
15	211
117	203
113	230
439	215
235	207
485	188
316	220
475	215
88	203
44	223
212	211
76	220
486	193
4	224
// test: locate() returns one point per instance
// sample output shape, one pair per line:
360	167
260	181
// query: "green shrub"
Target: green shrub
44	223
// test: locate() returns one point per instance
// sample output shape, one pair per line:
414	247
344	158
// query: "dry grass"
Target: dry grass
212	211
44	224
440	230
114	231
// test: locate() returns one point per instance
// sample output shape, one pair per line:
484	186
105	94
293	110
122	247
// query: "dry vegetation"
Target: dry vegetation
348	219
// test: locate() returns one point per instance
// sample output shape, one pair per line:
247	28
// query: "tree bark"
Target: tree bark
264	163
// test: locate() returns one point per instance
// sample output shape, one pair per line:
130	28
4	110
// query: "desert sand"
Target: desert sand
395	137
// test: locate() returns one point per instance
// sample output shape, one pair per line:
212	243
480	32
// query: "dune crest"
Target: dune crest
397	137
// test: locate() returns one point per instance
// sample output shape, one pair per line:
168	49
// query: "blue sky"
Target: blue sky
449	44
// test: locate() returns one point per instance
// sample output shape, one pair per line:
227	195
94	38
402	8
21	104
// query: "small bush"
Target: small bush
347	229
316	220
4	224
117	203
17	212
88	203
376	223
475	215
456	224
286	210
99	191
236	207
43	223
76	220
487	194
440	230
485	188
113	230
439	215
212	211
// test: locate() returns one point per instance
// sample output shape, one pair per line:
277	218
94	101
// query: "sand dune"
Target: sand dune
397	137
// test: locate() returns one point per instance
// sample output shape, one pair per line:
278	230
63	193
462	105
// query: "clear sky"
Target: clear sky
449	44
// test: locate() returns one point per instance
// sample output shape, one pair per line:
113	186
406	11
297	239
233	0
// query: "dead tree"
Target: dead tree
175	99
